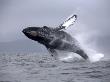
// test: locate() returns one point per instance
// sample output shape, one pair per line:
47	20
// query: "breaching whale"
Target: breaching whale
56	38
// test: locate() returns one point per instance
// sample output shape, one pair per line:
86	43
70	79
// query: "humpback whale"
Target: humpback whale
56	38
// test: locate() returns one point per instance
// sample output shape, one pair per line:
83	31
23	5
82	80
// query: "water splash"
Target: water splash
83	35
93	55
70	57
90	48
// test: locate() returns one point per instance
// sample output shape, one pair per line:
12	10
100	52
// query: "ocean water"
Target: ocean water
34	67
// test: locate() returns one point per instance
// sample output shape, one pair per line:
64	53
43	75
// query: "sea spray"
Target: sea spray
69	57
92	53
90	49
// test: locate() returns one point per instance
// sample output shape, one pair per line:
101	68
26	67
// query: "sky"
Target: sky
91	28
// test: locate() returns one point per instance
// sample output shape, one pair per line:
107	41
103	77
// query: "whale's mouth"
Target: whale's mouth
31	31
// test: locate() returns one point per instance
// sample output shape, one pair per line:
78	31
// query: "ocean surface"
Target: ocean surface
22	67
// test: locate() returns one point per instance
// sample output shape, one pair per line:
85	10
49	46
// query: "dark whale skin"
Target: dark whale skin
54	39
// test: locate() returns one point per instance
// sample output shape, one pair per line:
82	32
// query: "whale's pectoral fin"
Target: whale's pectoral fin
69	21
53	53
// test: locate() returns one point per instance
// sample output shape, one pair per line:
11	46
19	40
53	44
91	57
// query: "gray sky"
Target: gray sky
92	25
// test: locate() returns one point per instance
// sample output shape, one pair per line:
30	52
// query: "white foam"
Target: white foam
70	56
90	49
94	56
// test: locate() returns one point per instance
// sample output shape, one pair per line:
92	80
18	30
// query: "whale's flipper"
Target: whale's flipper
69	21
